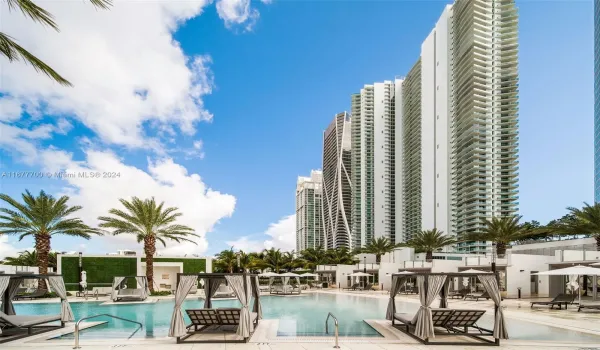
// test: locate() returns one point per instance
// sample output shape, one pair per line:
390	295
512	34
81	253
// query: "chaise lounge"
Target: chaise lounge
589	306
477	296
26	322
353	287
130	294
214	319
461	294
560	300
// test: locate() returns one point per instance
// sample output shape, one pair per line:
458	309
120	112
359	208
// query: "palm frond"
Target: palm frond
33	11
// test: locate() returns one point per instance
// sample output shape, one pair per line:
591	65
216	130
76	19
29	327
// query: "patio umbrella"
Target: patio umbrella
404	273
268	274
473	271
360	274
577	270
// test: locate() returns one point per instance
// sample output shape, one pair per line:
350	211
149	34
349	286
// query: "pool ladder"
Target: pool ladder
94	316
335	321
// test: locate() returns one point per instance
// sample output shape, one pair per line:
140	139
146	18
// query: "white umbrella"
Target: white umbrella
404	273
360	274
289	274
577	270
268	274
308	274
473	271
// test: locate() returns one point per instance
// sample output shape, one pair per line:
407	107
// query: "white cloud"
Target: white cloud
282	235
201	206
6	249
129	74
237	12
23	141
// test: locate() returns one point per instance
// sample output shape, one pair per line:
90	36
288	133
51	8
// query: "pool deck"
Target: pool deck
265	336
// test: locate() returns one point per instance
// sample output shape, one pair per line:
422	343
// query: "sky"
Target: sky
216	107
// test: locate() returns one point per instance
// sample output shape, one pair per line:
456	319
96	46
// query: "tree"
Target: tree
584	221
29	258
340	255
429	241
502	231
226	261
273	259
14	52
312	257
149	222
379	246
42	217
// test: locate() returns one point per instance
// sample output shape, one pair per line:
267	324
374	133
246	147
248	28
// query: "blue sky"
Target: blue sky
275	88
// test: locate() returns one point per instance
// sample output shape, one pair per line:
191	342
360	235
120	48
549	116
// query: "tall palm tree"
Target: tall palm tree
429	241
14	52
379	246
274	259
42	217
226	261
149	222
341	256
29	258
584	221
502	231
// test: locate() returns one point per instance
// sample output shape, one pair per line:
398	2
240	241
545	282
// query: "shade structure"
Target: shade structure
308	274
360	274
473	271
268	274
404	273
289	274
577	270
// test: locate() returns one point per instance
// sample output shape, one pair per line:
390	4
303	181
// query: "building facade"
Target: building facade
374	163
597	100
459	120
309	211
337	182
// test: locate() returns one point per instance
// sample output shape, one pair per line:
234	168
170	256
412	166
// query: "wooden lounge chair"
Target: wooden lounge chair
368	286
477	296
589	306
459	294
560	300
26	322
440	316
231	316
36	294
463	319
203	318
354	287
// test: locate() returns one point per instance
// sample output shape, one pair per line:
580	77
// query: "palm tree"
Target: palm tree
14	52
502	231
274	259
429	241
379	246
341	256
29	258
584	221
149	223
42	217
312	257
226	261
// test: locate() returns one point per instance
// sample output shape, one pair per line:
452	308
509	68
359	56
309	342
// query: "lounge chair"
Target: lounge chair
440	316
477	296
589	306
463	319
131	294
203	318
36	294
459	294
223	292
559	300
28	322
368	286
353	287
231	316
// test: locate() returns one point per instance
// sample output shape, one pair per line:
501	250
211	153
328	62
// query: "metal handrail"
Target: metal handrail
94	316
337	345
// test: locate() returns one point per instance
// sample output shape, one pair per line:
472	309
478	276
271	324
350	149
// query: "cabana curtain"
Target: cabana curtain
13	288
58	286
256	293
444	294
396	283
211	286
3	285
186	283
491	286
142	282
116	282
423	319
243	295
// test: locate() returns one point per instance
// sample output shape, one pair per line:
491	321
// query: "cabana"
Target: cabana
422	326
207	319
285	288
9	285
120	292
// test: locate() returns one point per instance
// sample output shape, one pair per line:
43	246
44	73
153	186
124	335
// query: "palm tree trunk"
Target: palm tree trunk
150	250
429	255
500	249
597	237
378	258
42	248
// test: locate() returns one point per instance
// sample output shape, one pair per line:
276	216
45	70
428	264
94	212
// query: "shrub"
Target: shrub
160	293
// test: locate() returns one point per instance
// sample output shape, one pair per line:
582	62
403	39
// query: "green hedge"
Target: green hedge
189	265
99	270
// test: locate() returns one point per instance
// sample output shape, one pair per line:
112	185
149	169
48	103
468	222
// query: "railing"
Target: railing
94	316
337	345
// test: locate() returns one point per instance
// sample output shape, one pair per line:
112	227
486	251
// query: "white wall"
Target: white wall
341	274
170	270
385	273
516	278
445	265
9	269
399	255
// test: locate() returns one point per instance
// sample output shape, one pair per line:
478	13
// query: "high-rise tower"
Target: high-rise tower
597	100
337	185
309	211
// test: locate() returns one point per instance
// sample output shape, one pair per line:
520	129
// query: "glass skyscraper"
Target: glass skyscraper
597	100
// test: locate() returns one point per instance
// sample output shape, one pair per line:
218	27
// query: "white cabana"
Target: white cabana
578	270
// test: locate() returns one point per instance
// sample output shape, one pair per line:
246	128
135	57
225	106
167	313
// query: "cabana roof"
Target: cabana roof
449	274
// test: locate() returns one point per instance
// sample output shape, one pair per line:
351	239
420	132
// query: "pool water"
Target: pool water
302	315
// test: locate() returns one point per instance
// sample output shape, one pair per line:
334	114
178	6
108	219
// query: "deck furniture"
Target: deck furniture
129	294
203	318
458	294
464	319
120	291
559	300
353	287
26	321
367	286
439	316
589	306
477	296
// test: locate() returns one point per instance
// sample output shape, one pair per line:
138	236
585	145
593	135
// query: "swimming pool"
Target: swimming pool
298	316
